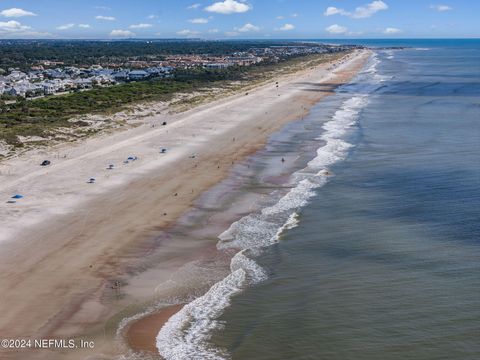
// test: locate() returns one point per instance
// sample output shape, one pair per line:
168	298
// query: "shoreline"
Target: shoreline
150	324
104	235
141	334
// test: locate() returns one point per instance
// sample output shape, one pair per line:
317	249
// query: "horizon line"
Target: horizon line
240	39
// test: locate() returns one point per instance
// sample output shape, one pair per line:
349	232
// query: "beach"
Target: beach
71	244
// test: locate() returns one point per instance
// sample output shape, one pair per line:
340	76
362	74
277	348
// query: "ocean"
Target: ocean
365	242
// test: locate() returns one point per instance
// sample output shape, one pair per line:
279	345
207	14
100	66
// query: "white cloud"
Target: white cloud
187	32
14	29
228	7
360	12
213	31
336	29
287	27
369	9
13	25
441	7
199	21
16	12
232	33
106	18
332	10
122	33
248	28
66	26
101	7
84	26
280	17
193	6
140	26
391	30
152	16
294	15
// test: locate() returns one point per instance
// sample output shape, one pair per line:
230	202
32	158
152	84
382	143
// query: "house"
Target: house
34	90
244	60
138	75
16	75
218	65
72	71
35	75
23	88
120	75
56	74
83	83
17	90
103	79
154	71
49	87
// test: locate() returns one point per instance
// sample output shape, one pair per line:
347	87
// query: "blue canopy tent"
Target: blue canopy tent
17	196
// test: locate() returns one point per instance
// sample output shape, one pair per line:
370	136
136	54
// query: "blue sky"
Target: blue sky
236	19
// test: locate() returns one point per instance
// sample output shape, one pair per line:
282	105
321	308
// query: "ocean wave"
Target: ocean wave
291	223
372	66
186	335
372	69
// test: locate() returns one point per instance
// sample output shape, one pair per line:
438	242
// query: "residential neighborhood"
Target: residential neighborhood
48	77
41	82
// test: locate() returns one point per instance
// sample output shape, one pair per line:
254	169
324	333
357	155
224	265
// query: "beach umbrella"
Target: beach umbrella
17	196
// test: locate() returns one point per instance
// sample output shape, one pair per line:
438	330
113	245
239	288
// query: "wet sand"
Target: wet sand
141	334
66	246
